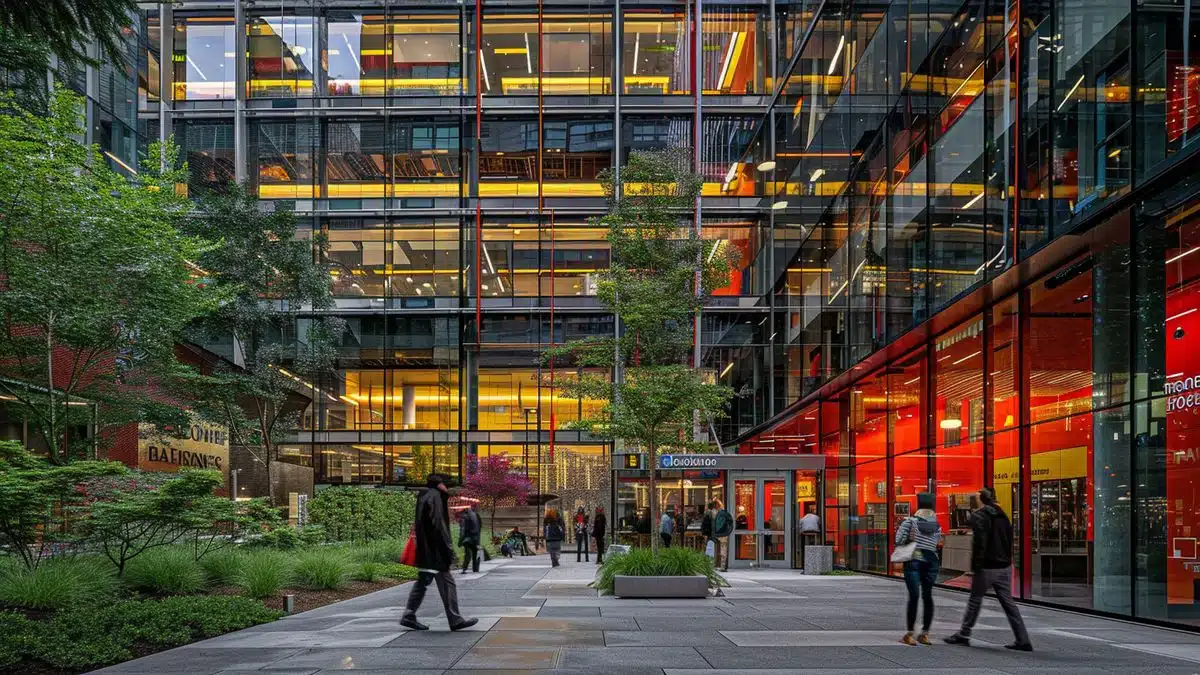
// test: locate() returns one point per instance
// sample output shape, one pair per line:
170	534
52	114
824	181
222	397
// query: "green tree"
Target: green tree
660	275
276	286
98	282
67	27
361	515
36	499
181	510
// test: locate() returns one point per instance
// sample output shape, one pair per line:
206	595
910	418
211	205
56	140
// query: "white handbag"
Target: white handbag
904	552
710	549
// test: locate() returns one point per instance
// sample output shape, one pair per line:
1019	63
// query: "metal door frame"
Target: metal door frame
789	520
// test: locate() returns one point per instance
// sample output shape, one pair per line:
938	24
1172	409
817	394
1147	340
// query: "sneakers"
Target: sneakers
411	623
1018	647
467	623
923	638
908	639
958	639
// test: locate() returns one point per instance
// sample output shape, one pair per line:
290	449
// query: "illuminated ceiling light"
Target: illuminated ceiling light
951	424
837	54
427	285
408	279
713	252
485	287
528	59
768	165
779	205
1114	153
726	370
815	175
973	202
1181	314
967	357
637	44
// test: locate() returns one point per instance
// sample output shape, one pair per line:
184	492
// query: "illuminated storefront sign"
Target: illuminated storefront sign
205	446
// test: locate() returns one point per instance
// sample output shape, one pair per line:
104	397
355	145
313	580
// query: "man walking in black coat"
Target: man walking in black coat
468	538
599	528
991	569
435	555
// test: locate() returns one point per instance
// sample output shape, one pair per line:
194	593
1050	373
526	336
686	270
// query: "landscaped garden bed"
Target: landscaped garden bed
671	572
103	565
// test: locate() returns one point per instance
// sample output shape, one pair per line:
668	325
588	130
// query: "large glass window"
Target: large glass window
207	146
735	55
377	55
282	158
281	56
204	58
656	52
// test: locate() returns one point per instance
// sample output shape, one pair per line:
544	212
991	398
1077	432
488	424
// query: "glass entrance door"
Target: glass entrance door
762	521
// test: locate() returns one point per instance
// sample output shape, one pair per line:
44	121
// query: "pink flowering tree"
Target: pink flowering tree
493	481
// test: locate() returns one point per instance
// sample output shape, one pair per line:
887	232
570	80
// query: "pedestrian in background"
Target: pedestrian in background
599	526
435	555
581	536
666	527
554	531
923	534
468	538
991	569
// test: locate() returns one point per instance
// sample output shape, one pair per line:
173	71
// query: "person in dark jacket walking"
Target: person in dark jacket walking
991	567
468	538
554	530
599	527
435	555
581	536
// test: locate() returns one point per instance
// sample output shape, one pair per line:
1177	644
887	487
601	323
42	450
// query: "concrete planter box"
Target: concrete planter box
660	587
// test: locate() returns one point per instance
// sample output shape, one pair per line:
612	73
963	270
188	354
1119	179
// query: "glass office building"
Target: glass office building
964	229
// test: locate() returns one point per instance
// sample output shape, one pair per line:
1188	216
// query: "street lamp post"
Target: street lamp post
233	479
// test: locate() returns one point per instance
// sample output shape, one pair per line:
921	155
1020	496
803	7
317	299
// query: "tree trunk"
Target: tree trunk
270	472
52	437
492	519
653	497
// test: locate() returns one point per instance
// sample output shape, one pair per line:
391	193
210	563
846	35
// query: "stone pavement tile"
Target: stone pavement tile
508	658
438	624
682	638
630	657
281	671
1090	654
568	612
304	639
792	623
429	638
1093	670
581	623
294	623
811	638
195	660
573	671
790	657
693	611
383	658
658	624
534	638
835	671
1187	652
1132	634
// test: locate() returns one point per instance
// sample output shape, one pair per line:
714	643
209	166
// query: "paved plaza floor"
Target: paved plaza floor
533	618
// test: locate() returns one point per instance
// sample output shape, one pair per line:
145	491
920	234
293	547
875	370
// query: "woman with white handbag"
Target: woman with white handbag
917	542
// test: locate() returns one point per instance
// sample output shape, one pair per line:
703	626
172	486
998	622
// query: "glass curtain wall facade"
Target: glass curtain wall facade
452	155
983	219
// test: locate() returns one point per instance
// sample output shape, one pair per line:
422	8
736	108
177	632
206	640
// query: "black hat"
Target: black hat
925	500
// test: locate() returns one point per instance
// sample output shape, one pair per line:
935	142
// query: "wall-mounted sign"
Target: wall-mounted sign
744	462
687	462
206	446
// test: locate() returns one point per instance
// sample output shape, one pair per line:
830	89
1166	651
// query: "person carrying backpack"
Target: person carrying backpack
554	530
720	526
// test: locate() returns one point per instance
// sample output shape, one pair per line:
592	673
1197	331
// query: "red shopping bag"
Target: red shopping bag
409	556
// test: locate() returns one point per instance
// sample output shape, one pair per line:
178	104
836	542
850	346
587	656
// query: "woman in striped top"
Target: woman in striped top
920	573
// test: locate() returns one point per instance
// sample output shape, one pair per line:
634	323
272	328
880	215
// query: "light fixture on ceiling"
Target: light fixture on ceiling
768	165
779	205
951	424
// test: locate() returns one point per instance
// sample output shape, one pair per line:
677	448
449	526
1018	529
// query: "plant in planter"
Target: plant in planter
663	566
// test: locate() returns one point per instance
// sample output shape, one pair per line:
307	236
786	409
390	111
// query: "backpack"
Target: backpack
722	524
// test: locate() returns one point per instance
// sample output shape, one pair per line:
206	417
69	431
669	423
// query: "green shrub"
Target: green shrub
16	634
398	572
368	571
56	583
89	637
264	573
358	515
670	562
381	551
322	569
223	567
165	571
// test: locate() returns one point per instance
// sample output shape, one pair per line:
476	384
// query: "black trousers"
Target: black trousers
599	549
581	548
666	539
446	588
471	556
